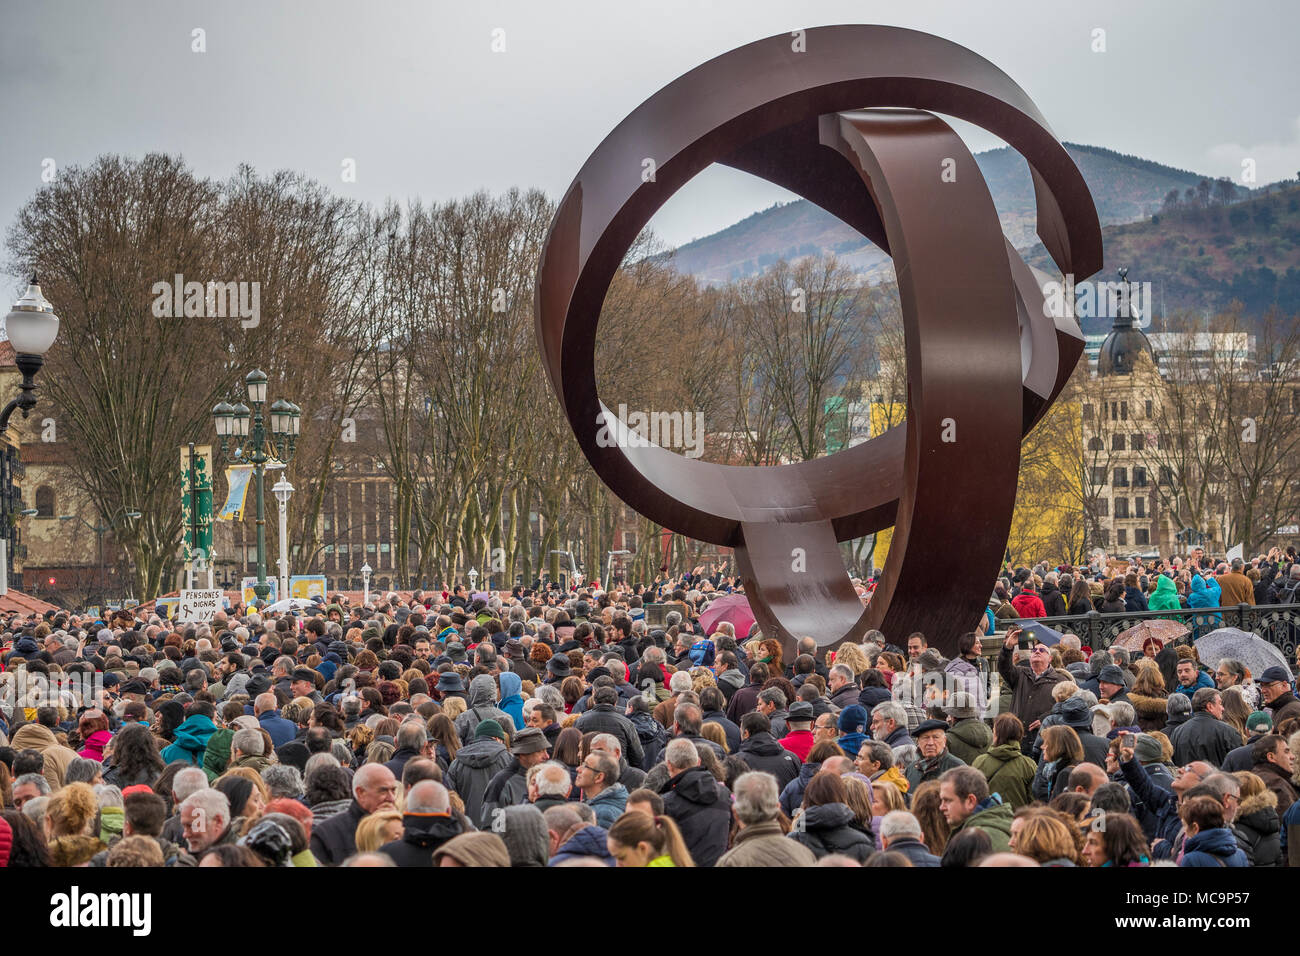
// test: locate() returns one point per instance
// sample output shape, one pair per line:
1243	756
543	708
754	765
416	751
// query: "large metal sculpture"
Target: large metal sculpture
840	115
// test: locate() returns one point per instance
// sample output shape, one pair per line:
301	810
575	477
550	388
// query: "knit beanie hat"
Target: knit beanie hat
489	728
475	849
525	834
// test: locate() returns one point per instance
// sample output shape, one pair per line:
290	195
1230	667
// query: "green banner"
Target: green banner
196	501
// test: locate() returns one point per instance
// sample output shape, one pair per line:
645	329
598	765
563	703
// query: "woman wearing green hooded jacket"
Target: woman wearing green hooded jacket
1165	597
1008	771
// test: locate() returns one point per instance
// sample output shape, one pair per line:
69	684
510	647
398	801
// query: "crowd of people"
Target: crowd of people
566	729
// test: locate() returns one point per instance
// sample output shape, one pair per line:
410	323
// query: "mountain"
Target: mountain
1199	258
1125	188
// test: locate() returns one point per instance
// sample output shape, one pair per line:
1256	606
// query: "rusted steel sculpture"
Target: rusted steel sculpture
841	117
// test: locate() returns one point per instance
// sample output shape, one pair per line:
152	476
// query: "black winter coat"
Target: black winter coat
336	839
831	829
604	719
422	835
1259	834
731	731
653	737
701	808
1203	738
761	752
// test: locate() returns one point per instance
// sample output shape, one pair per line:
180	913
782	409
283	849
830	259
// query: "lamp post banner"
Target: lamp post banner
196	500
237	478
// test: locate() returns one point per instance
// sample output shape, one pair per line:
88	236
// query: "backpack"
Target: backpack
701	653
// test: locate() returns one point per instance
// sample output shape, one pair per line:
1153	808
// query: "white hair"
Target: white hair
681	753
607	741
553	780
211	802
680	681
899	823
188	782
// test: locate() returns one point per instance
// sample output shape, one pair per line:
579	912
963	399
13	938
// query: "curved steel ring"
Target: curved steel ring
844	123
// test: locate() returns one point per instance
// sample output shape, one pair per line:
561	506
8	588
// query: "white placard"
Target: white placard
199	605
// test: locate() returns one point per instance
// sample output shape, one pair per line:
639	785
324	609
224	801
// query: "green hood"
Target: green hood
111	820
217	757
1004	753
995	820
974	733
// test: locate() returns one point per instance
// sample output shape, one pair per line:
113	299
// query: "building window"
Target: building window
1087	411
1149	410
1121	507
1140	506
1141	536
1121	478
45	502
1121	537
1117	442
1166	475
1139	477
1096	444
1098	476
1135	442
1103	507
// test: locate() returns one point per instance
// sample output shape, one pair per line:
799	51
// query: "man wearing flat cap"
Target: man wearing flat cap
303	684
931	738
510	786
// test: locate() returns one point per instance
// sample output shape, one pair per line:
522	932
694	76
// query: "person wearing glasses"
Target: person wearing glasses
1031	685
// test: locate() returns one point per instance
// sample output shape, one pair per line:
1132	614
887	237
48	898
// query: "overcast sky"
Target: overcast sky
413	92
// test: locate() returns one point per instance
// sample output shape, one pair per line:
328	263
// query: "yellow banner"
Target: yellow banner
237	477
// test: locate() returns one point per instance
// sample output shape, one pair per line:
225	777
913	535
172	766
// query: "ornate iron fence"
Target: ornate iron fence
1277	623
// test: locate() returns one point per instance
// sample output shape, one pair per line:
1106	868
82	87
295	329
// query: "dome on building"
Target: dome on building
1120	350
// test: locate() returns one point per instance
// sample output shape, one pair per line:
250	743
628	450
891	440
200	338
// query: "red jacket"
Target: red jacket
798	742
1029	605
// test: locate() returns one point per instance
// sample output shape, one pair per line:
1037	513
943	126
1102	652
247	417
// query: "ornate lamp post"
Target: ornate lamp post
32	327
366	571
473	579
257	447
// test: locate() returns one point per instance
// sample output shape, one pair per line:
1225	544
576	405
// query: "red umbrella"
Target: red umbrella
732	608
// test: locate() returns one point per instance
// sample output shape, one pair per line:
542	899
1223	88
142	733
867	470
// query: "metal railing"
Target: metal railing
1277	623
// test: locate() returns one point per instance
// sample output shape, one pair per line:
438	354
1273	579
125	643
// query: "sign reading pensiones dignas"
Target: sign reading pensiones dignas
199	605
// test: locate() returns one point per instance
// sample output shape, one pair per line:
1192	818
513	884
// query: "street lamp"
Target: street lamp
473	578
366	571
31	327
256	446
282	490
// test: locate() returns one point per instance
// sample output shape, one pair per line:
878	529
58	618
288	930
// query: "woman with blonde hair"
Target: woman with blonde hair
1256	824
1045	835
885	797
851	655
1236	711
1149	695
934	825
378	828
453	707
69	825
380	751
715	733
638	839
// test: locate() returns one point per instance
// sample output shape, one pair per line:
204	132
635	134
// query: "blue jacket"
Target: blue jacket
1159	809
792	795
191	740
851	743
1134	599
608	805
589	841
512	701
1204	594
282	731
1202	680
1213	848
1290	818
